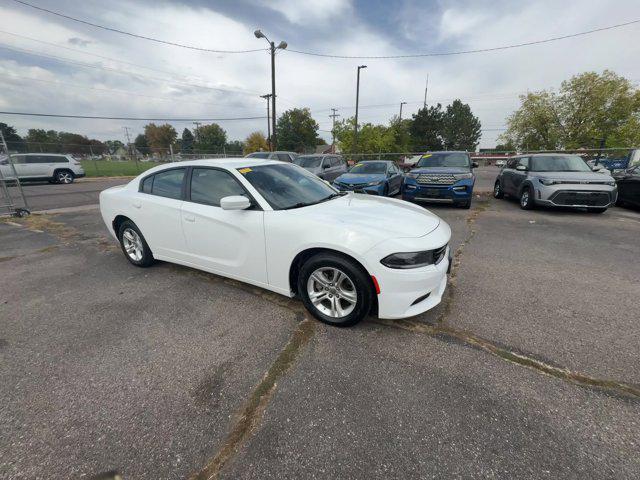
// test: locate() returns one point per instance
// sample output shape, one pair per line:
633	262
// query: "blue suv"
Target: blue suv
441	177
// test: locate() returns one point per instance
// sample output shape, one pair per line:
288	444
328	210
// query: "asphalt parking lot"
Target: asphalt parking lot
528	369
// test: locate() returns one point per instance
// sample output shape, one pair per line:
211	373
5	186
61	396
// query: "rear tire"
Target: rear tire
133	245
335	289
497	190
466	205
526	199
64	176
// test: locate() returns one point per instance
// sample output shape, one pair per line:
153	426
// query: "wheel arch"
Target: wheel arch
119	220
304	255
526	183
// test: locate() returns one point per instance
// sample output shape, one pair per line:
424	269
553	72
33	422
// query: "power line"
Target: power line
161	119
151	39
464	52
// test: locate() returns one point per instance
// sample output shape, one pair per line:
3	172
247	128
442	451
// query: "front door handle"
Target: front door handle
189	218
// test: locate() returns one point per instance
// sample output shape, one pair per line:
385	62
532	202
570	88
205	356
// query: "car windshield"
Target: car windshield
559	163
309	162
258	155
369	168
287	185
453	159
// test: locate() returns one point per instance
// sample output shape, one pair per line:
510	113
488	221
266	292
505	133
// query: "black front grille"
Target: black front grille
579	198
438	254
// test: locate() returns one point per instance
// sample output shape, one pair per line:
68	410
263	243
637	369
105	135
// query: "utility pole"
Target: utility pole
401	104
333	129
355	133
267	97
272	50
135	157
426	87
197	129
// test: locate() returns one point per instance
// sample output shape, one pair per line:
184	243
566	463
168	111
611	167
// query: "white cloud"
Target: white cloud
310	11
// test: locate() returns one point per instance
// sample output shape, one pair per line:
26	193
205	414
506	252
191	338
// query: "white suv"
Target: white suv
54	167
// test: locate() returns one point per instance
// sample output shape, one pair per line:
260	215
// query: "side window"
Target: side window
209	186
53	159
147	183
524	161
168	183
341	162
284	157
18	159
34	159
512	162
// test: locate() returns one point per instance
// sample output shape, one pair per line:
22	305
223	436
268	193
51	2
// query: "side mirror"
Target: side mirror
521	168
325	166
235	202
474	164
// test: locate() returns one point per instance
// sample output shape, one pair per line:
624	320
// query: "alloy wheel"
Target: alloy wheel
496	189
524	199
65	177
332	292
132	244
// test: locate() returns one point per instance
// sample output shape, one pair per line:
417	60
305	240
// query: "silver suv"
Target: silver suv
54	167
327	167
555	180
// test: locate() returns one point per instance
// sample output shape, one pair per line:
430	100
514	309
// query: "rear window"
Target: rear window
168	183
258	155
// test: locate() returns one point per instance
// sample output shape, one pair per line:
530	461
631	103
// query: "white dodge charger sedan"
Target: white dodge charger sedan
277	226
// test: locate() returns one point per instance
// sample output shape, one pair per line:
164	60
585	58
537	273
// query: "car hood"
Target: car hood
361	177
574	176
379	216
440	170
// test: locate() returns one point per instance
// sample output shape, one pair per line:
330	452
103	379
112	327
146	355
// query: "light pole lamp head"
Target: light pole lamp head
282	45
362	66
258	33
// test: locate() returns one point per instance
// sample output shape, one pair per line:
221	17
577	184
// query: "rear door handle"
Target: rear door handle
137	205
189	218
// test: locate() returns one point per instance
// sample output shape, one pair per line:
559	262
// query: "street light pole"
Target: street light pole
355	133
401	104
267	97
272	50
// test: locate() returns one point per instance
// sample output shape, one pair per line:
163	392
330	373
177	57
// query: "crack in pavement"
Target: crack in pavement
445	333
251	414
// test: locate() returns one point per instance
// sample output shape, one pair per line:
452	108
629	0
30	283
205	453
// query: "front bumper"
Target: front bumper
370	190
576	195
459	192
408	292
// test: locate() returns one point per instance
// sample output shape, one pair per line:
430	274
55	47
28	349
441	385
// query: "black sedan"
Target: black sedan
629	186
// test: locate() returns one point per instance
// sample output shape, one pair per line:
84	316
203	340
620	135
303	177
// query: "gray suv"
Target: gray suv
555	180
282	156
327	167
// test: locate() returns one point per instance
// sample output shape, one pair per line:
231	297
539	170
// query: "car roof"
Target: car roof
551	154
376	161
43	153
445	151
229	162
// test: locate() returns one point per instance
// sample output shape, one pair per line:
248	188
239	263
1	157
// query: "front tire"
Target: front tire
526	199
497	190
335	289
385	190
64	176
133	245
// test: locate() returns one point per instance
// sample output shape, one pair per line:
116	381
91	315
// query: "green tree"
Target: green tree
297	130
255	142
588	108
15	143
210	139
426	129
187	141
159	137
234	147
142	145
40	140
461	129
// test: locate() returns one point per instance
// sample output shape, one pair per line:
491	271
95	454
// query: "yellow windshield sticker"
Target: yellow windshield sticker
426	156
244	170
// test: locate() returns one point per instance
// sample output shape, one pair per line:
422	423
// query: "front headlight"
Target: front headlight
373	184
462	176
611	184
413	175
547	182
408	260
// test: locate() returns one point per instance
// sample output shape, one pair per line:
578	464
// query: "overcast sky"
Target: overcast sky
147	79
